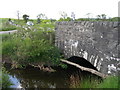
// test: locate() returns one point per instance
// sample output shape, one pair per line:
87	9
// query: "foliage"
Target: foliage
86	82
66	19
25	17
6	26
6	83
19	22
42	16
84	19
92	82
64	15
7	45
99	19
89	82
29	46
115	19
102	16
110	82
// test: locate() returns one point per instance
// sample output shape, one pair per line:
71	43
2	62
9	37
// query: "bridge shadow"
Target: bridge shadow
76	75
82	62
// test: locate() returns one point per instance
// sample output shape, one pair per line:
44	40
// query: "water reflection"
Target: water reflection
15	81
34	78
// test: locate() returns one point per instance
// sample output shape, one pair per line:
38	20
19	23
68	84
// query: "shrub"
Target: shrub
29	46
7	45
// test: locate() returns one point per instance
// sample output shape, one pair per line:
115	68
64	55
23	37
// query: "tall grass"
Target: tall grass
110	82
85	82
92	82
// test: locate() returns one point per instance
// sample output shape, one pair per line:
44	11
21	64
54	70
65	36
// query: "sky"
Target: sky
53	8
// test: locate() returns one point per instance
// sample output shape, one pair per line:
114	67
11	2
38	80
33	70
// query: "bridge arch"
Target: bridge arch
97	42
82	62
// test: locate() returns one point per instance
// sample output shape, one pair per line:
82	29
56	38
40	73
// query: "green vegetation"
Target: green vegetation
88	83
35	45
6	26
31	45
110	82
25	17
85	82
99	19
5	82
43	23
92	82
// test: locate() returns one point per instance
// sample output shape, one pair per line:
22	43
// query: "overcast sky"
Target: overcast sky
53	8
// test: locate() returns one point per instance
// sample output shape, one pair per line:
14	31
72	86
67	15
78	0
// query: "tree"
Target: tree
38	20
18	15
88	15
42	16
73	15
25	17
98	16
103	16
64	15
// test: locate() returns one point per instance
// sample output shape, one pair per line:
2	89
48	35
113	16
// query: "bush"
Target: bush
7	45
29	46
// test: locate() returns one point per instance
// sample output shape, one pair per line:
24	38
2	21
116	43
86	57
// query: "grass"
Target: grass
36	45
29	46
5	82
5	26
89	83
109	82
85	82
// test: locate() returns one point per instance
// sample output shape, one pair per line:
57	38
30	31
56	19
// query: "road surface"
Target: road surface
7	32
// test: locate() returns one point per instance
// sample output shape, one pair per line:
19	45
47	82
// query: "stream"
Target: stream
35	78
31	77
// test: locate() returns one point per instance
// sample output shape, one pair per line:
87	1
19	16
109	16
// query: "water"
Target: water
35	78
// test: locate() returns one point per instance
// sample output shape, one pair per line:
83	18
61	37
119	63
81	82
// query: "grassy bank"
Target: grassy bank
92	82
110	82
5	25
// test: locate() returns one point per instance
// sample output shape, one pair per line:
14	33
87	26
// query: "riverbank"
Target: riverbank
35	46
31	77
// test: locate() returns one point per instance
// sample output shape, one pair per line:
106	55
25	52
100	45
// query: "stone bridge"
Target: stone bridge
96	41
